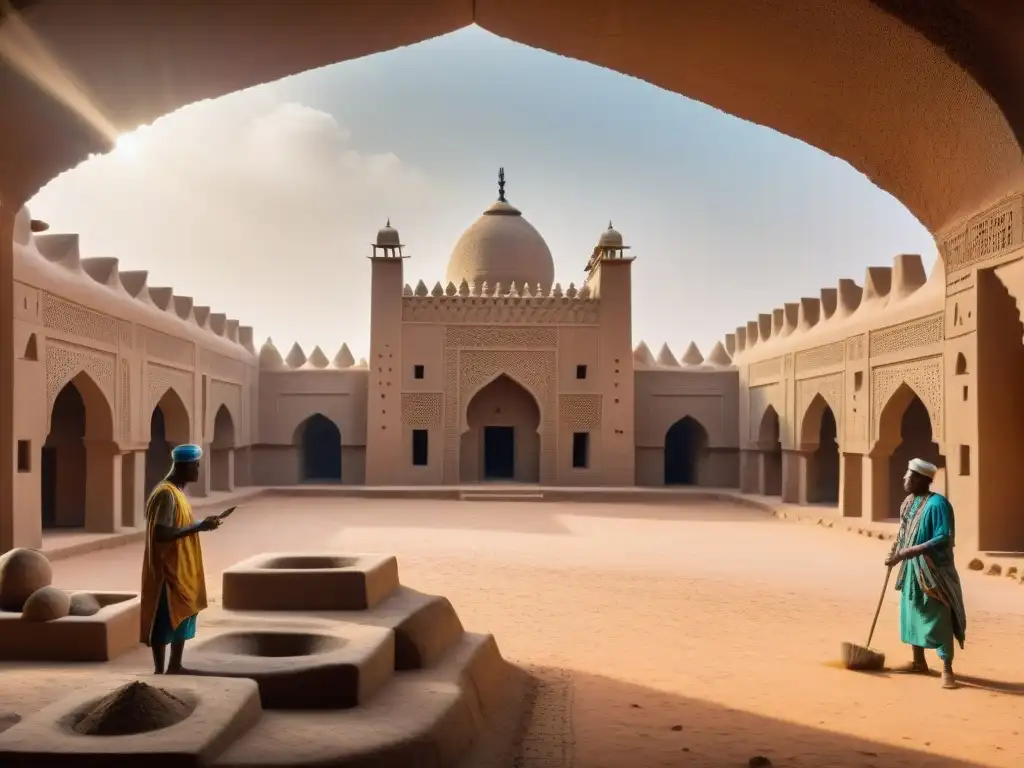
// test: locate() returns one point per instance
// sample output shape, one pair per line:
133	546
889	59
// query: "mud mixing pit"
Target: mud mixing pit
309	581
332	669
167	721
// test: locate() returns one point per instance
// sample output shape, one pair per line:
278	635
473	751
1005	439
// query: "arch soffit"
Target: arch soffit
538	401
229	438
768	437
712	436
810	419
99	414
889	419
880	56
302	422
214	408
177	416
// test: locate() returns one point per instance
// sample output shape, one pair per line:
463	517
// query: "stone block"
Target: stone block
330	668
224	710
306	581
105	635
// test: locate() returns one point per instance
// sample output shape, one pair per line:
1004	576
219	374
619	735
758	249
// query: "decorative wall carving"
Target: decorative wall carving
985	236
223	368
485	337
579	413
64	363
74	319
159	379
421	409
126	400
923	376
168	348
819	357
539	311
910	335
474	356
855	347
830	387
127	333
766	371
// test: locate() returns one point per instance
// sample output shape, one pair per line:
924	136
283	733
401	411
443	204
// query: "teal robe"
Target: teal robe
932	611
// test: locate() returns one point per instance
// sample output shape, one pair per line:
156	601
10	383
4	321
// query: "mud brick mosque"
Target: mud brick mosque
501	373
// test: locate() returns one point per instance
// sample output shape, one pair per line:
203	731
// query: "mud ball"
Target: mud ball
84	604
975	565
46	604
22	572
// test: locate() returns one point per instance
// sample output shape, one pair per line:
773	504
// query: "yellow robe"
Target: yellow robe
177	565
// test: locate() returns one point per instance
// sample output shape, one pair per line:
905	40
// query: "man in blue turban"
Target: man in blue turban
173	580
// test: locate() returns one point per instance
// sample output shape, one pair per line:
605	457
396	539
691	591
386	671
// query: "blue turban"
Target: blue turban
186	453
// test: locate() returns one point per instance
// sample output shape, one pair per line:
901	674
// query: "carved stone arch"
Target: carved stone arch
99	415
64	364
177	419
227	396
810	421
889	420
760	400
469	370
769	428
225	429
477	389
161	380
889	385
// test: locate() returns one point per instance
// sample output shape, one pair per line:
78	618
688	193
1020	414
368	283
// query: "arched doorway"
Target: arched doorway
319	441
501	441
770	443
820	431
76	477
686	445
904	433
222	451
168	426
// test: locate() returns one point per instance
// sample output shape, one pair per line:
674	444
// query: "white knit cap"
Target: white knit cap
922	467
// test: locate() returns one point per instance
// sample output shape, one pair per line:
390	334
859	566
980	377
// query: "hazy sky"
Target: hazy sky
263	203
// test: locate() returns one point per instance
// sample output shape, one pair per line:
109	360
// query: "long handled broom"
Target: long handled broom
860	657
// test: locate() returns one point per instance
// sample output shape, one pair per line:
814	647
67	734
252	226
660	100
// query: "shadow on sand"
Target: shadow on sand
625	726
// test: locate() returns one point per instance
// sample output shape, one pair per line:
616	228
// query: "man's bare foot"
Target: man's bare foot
913	668
176	671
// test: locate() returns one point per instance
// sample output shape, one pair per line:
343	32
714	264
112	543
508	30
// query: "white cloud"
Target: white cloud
261	208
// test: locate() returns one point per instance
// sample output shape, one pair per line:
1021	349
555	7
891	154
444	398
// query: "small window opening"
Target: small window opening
417	371
580	450
965	460
420	444
858	380
581	371
24	456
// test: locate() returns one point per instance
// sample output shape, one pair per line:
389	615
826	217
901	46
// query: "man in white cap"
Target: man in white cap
931	602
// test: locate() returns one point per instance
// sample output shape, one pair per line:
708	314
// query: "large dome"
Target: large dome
502	247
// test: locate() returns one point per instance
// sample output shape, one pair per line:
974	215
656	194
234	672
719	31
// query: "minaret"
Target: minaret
610	281
384	390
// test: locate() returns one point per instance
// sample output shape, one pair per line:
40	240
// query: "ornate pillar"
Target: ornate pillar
102	486
875	488
201	487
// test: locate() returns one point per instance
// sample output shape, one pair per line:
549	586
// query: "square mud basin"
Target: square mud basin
334	668
152	722
106	634
309	582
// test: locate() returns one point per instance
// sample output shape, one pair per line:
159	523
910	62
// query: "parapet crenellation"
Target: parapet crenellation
842	310
692	359
296	360
60	256
497	291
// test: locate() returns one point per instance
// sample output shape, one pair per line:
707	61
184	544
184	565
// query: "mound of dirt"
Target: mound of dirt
133	708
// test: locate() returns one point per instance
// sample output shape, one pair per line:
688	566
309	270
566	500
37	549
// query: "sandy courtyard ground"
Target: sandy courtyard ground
667	635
